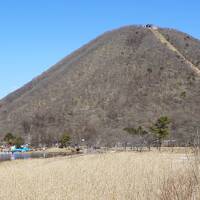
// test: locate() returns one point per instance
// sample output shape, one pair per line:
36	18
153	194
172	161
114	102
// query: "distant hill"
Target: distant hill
126	77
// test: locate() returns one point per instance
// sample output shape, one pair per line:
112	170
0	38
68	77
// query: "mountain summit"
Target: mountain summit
126	77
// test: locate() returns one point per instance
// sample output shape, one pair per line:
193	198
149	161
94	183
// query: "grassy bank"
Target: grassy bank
120	176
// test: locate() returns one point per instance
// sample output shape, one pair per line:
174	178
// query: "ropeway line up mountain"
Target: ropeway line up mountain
170	46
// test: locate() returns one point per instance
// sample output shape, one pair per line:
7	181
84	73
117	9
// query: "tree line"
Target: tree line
158	132
18	141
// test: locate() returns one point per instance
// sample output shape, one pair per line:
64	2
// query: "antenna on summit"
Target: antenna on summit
150	26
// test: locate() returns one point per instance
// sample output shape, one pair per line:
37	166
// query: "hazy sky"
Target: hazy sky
35	34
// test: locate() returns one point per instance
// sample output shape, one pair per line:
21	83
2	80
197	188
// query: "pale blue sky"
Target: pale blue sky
35	34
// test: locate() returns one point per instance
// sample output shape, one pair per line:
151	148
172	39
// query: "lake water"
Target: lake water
30	155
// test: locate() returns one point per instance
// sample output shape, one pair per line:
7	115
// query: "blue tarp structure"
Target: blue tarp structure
21	149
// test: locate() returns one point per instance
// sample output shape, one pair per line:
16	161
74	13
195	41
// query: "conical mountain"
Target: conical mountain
126	77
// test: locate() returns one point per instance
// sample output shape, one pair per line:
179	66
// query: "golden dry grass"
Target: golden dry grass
111	176
57	150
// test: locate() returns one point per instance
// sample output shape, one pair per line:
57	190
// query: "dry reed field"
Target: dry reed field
109	176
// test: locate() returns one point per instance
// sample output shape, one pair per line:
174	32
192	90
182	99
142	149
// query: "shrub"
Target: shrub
65	140
18	142
9	138
160	129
